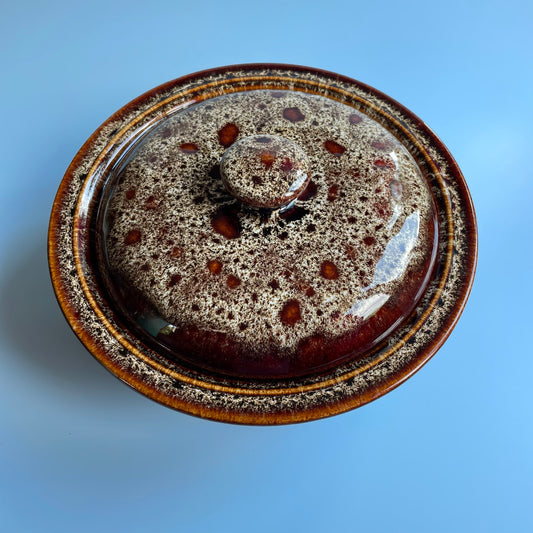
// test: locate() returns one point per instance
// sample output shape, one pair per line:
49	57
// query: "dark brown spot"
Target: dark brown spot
352	220
243	326
383	164
176	252
174	279
226	222
133	236
195	307
332	193
329	270
150	203
267	158
214	266
283	235
378	145
334	148
369	241
228	134
290	313
310	228
309	192
287	165
232	281
257	180
310	292
355	119
293	114
189	148
145	267
274	284
130	194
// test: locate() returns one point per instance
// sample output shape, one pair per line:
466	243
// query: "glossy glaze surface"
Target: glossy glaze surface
264	293
265	171
81	275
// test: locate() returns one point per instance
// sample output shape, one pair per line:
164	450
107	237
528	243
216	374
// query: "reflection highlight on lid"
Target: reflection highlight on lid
395	259
369	306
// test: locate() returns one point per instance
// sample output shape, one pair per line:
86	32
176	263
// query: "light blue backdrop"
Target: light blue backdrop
450	450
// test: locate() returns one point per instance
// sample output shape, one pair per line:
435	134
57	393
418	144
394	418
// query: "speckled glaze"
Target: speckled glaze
265	171
276	293
211	304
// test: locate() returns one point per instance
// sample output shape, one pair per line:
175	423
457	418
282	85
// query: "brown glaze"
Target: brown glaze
225	222
228	135
132	237
267	158
293	114
334	147
232	281
189	148
176	252
265	171
332	192
215	267
273	401
321	291
290	313
328	270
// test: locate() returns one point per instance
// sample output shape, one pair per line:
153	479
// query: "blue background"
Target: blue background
450	450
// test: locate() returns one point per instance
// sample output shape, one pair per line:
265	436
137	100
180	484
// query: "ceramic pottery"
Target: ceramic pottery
263	244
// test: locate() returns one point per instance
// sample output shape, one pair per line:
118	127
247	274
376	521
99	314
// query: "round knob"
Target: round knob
265	170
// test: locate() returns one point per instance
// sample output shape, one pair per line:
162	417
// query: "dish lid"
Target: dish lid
263	244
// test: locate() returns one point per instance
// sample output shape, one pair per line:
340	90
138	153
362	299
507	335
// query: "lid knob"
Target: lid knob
265	171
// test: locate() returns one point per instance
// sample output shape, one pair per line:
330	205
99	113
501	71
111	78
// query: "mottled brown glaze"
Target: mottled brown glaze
265	171
79	280
349	264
